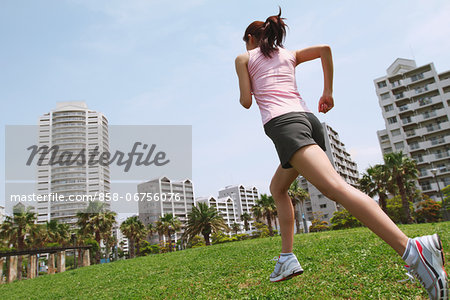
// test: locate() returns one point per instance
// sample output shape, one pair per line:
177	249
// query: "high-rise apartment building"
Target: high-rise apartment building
165	196
343	164
244	199
2	214
226	208
74	128
415	104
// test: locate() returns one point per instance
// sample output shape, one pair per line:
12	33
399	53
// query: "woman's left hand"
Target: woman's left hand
326	103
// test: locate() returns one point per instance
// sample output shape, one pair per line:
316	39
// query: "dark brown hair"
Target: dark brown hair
269	34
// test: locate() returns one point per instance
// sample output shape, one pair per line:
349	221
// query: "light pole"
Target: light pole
444	206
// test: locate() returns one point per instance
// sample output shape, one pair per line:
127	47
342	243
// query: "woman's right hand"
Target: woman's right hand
326	103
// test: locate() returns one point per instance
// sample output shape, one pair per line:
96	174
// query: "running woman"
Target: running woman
267	71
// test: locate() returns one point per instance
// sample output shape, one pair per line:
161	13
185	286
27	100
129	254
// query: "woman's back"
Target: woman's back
273	83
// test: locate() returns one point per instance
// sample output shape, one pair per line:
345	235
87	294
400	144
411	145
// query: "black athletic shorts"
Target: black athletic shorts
291	131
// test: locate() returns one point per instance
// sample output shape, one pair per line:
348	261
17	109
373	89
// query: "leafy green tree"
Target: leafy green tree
317	224
204	220
428	210
396	211
196	241
220	237
298	197
343	220
262	230
401	169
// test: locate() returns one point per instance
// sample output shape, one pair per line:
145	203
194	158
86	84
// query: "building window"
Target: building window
395	132
424	101
417	77
384	137
414	145
388	107
381	84
399	146
407	120
421	89
398	96
385	96
392	120
323	205
426	186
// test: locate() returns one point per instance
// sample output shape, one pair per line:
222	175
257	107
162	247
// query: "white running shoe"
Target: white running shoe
287	269
429	266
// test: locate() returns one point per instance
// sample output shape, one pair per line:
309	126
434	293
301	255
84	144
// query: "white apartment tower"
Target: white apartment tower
2	214
343	164
244	199
178	200
226	208
415	103
71	127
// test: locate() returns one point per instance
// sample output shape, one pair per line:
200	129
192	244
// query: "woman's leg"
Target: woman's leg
279	187
312	162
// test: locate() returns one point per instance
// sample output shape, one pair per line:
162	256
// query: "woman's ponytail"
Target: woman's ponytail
273	33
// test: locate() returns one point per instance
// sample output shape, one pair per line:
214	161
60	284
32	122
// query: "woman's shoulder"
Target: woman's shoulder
242	58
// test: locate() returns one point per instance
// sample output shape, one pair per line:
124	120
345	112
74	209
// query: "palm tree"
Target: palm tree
245	217
15	229
268	208
134	230
401	169
376	182
298	197
151	230
168	225
236	227
203	220
57	232
257	212
96	219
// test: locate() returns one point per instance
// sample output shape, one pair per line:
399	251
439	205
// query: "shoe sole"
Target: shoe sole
289	276
443	284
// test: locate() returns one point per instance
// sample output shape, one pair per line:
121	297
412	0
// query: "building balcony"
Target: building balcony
419	77
445	82
431	115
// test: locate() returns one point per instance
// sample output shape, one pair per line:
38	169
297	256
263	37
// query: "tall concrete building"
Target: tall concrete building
226	208
178	200
72	127
343	164
122	240
244	199
2	214
415	103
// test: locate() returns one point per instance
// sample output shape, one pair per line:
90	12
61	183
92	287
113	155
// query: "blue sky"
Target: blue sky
160	62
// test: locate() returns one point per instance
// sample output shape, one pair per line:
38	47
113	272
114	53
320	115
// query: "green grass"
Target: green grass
347	264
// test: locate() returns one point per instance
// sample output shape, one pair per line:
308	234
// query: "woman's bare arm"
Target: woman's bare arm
244	80
323	52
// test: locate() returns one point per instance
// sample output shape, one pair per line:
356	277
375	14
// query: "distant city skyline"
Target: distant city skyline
144	63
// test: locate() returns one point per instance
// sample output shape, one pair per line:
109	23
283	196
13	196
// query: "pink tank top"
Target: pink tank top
273	83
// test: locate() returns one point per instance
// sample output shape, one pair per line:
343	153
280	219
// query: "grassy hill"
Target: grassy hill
346	264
